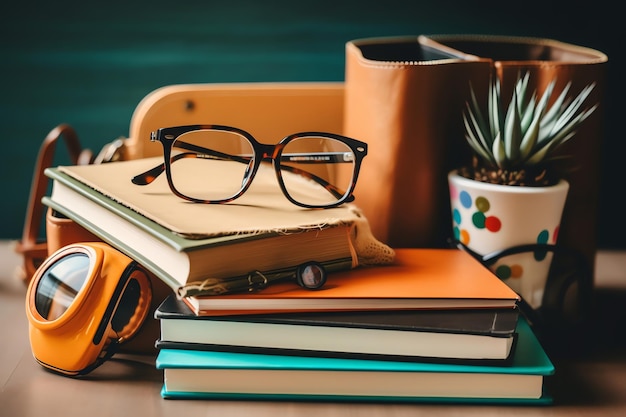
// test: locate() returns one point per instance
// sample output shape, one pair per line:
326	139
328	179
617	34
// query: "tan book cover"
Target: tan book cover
263	208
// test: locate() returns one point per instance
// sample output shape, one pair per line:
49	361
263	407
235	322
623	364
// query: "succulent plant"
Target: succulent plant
516	144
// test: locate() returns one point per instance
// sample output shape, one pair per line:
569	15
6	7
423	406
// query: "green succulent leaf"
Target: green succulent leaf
475	137
569	113
499	154
512	136
527	112
529	141
495	118
477	126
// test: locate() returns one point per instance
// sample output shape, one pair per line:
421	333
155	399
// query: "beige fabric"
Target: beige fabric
370	251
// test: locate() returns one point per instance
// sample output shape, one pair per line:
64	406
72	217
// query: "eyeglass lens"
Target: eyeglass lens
60	284
214	165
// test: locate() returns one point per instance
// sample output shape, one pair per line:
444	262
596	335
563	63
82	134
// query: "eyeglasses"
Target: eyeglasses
215	164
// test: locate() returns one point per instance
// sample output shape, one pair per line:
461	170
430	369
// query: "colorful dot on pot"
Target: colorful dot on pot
555	235
453	192
517	271
465	199
509	271
542	239
464	237
478	219
482	204
503	272
456	216
493	224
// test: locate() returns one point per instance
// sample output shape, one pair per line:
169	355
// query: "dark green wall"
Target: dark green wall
90	63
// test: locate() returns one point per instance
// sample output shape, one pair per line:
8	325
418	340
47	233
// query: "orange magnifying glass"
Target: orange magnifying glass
82	302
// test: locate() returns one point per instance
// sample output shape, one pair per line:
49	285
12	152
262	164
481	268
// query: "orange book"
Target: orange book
418	279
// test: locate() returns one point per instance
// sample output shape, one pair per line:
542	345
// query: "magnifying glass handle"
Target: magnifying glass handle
310	275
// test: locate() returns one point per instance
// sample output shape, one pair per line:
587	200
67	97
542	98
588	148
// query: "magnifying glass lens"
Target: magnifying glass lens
311	275
59	285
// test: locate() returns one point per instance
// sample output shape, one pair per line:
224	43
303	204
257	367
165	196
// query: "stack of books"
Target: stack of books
435	325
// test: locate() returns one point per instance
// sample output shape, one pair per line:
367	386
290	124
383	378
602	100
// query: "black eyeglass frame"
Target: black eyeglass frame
580	274
262	152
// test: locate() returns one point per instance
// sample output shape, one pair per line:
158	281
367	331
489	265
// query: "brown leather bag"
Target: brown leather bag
405	100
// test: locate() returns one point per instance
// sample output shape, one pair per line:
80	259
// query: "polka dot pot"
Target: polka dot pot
489	217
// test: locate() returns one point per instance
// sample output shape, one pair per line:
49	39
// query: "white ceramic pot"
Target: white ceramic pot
489	217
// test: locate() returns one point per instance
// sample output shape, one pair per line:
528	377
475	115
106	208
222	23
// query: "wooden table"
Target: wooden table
590	379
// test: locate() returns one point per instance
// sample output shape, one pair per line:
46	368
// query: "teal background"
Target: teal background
90	63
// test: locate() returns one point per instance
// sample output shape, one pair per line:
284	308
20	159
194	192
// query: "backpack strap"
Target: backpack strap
33	249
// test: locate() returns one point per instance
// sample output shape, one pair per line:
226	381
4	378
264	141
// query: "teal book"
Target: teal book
196	374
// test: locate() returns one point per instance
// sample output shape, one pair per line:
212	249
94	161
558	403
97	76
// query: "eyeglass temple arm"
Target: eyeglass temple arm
321	181
492	257
151	174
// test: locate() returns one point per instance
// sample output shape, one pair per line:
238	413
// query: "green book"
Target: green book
182	242
196	374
